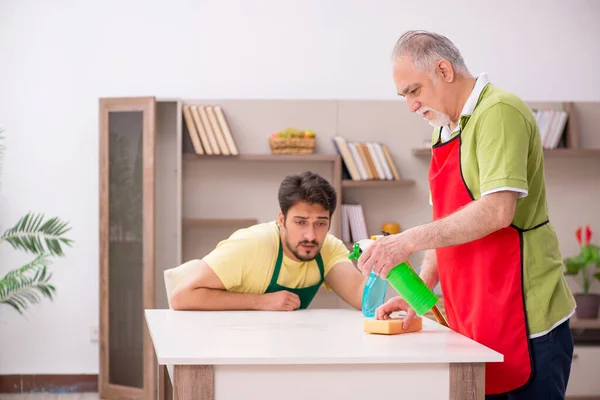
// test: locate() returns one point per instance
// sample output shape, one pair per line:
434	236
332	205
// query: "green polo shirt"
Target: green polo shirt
501	150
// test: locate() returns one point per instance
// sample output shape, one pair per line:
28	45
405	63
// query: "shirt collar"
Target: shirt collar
481	81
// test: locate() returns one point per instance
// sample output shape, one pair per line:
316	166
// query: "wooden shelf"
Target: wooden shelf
562	152
348	183
219	222
572	152
265	157
422	152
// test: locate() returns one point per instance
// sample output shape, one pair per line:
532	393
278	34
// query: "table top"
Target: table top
319	336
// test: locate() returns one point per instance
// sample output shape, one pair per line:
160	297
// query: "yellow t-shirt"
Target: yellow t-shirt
245	261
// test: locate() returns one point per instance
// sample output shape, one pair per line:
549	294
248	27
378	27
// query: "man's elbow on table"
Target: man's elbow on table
194	292
179	299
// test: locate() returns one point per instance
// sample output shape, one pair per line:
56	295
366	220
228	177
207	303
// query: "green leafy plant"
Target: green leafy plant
29	284
587	262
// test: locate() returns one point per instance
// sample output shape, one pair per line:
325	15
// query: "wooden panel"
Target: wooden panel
191	382
588	121
467	381
126	230
168	195
165	386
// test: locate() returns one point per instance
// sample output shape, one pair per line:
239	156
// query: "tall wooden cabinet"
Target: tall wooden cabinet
127	246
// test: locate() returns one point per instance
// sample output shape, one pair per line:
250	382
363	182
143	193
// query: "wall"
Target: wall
58	58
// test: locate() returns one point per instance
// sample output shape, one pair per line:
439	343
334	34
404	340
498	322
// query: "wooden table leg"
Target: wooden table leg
165	388
193	382
467	381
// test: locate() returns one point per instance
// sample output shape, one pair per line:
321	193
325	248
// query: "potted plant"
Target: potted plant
587	266
43	238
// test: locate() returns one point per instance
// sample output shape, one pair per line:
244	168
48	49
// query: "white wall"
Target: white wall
57	58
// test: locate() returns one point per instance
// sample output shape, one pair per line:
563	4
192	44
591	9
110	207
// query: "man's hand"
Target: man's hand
279	301
384	254
429	275
392	305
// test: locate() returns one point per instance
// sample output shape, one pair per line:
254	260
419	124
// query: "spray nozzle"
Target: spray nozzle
355	253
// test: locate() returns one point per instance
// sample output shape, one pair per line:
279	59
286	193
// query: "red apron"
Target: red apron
481	281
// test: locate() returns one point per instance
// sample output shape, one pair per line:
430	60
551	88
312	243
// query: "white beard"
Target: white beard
439	119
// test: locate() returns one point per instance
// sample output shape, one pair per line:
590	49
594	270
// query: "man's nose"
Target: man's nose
413	105
309	234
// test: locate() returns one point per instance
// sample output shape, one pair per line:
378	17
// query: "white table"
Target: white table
316	354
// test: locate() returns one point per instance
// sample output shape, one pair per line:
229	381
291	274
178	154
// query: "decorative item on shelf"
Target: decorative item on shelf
587	265
391	227
293	141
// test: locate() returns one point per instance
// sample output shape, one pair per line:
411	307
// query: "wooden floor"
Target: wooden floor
50	396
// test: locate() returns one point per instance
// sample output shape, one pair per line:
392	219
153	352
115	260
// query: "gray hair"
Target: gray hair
426	48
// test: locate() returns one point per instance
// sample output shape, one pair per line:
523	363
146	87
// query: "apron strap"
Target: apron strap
275	275
321	267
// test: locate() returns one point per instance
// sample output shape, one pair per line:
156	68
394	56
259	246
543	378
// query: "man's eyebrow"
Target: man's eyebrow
303	217
408	88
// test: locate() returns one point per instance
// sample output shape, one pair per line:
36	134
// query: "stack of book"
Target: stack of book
364	161
354	227
209	131
552	126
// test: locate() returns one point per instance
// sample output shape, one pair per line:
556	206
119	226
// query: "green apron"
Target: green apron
306	294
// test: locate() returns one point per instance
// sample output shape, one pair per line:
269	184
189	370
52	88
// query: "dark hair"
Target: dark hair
306	187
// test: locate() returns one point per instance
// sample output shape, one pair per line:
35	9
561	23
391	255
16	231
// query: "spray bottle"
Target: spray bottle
404	280
375	288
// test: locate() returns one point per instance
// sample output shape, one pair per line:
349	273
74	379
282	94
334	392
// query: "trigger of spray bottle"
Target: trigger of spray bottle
375	287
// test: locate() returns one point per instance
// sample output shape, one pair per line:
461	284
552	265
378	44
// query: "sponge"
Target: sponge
392	326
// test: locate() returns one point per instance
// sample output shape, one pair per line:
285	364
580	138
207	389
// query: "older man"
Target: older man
490	245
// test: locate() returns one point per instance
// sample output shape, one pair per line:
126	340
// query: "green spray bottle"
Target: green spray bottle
404	280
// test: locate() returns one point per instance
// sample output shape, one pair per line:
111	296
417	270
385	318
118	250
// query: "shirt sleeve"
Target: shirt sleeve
502	148
229	258
334	251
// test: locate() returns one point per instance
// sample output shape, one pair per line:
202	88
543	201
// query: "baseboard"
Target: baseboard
48	383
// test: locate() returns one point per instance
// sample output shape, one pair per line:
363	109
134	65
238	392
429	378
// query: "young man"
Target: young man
278	265
491	245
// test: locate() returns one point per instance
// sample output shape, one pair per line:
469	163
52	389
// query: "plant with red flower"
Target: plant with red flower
589	256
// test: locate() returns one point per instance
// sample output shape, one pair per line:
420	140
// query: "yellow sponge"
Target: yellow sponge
392	326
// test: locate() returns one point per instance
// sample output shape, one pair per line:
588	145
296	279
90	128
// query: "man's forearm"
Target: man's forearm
214	299
472	222
429	271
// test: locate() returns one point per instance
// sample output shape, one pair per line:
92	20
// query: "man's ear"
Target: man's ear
280	219
446	71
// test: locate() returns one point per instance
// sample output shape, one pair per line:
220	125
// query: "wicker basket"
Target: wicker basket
292	145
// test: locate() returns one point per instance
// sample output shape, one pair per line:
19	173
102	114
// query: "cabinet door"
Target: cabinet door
127	148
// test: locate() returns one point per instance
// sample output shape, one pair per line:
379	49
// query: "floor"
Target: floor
50	396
